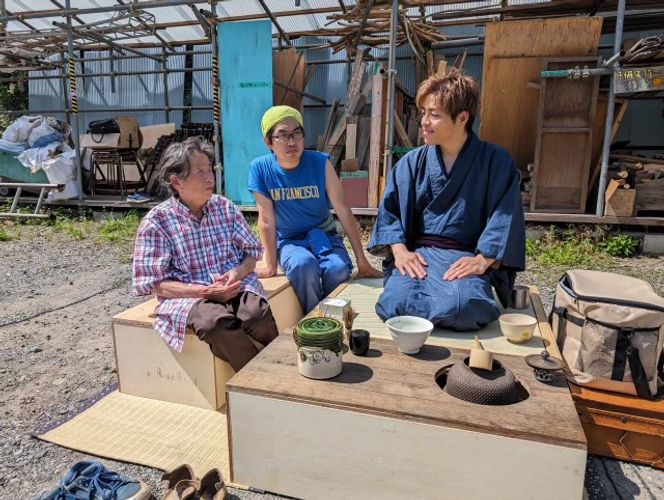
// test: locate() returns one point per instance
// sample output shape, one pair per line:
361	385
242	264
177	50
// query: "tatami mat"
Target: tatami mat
363	294
144	431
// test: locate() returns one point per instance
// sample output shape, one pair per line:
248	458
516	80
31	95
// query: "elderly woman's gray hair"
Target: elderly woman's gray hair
175	160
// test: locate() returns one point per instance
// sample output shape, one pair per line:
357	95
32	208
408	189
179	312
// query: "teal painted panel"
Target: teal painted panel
13	170
245	76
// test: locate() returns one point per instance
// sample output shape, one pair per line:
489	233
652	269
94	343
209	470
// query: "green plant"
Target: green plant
119	229
78	229
4	235
13	96
620	245
566	249
253	224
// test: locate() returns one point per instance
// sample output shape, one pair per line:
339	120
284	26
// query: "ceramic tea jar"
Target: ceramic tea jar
319	347
497	386
544	366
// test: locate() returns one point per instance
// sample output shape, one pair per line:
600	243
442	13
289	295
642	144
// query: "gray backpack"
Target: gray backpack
610	330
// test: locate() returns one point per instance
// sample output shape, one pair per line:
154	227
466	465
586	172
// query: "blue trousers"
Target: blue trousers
313	277
460	305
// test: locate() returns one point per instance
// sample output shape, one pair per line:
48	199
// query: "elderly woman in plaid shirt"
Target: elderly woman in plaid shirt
196	252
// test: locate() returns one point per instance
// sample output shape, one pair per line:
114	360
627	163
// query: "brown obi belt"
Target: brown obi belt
430	240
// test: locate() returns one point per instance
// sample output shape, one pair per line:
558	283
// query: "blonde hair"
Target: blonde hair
454	91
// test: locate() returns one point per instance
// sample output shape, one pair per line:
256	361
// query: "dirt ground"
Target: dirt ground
57	297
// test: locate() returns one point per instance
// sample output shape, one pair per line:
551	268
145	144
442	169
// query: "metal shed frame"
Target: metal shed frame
69	37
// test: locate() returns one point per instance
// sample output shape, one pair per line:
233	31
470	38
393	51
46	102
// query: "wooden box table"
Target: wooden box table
384	429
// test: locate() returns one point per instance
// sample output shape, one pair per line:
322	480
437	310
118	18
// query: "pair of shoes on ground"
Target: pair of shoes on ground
90	480
183	485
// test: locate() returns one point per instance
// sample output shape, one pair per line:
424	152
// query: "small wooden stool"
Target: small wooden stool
149	368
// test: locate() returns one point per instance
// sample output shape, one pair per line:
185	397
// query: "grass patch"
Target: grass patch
574	248
79	228
26	221
4	235
120	229
620	245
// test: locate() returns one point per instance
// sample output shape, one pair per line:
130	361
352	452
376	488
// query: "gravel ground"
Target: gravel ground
57	297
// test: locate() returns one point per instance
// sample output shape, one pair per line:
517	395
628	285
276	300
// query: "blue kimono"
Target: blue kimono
477	208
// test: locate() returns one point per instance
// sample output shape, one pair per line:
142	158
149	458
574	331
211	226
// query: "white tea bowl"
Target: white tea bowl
409	332
517	328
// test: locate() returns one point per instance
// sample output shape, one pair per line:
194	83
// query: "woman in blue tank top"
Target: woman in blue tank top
294	190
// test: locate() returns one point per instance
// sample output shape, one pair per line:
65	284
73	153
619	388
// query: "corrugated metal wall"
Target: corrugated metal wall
201	91
97	93
642	123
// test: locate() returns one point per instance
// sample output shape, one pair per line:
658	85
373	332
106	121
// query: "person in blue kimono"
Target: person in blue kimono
294	190
450	223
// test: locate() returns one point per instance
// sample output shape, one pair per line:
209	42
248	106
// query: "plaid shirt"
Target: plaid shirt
172	244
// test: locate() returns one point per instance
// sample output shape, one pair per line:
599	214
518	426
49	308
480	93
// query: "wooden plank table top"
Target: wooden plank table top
389	383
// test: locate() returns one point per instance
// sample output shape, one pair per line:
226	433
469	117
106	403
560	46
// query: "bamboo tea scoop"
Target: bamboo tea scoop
479	358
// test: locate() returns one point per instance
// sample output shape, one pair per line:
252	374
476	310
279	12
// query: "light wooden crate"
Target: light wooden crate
149	368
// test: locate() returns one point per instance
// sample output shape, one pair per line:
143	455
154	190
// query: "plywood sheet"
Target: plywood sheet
561	173
569	36
288	67
513	106
578	36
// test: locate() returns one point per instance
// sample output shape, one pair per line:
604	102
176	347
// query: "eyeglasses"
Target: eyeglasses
286	138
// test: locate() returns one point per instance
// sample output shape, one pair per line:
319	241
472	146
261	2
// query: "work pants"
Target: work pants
228	326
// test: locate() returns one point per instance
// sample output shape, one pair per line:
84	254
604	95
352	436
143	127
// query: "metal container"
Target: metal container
520	297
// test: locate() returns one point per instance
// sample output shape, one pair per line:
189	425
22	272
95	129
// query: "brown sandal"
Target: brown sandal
213	486
182	483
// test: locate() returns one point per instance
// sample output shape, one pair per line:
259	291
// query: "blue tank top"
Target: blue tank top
298	195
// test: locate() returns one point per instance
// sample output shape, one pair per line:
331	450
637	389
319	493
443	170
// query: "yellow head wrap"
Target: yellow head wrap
277	114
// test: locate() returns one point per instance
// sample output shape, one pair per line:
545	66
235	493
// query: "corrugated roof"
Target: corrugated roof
179	24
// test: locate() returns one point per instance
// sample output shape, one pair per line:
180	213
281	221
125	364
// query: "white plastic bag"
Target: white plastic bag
13	147
43	135
35	157
62	170
19	131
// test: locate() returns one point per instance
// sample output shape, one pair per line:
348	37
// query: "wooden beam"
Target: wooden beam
309	75
377	142
351	136
300	92
400	131
365	16
331	120
617	118
357	75
636	159
363	140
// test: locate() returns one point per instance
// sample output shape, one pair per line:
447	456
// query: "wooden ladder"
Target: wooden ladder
19	189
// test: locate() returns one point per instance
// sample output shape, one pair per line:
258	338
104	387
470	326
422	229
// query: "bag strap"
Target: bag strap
563	315
639	376
92	134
